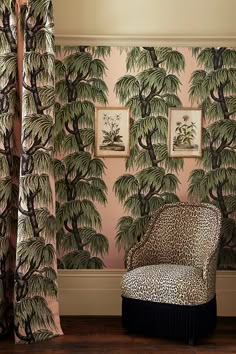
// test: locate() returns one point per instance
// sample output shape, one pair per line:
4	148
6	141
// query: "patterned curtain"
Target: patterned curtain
28	271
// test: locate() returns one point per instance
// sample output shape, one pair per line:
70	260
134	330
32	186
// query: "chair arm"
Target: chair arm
209	267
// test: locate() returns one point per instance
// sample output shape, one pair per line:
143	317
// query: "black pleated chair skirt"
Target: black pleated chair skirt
188	322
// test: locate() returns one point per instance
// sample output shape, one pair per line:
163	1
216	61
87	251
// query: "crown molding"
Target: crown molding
185	41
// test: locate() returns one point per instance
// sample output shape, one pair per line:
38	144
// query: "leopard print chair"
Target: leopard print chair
169	288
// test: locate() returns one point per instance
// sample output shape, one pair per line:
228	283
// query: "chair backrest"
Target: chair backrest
182	233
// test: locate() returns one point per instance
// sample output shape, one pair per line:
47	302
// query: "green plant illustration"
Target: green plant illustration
8	160
148	94
112	140
185	135
79	183
214	88
35	274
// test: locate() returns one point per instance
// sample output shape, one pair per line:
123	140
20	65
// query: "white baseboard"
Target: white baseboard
97	292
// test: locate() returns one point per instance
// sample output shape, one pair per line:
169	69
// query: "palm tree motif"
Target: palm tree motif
35	274
149	94
8	161
78	174
213	87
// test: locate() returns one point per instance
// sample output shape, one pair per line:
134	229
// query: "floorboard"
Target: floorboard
103	335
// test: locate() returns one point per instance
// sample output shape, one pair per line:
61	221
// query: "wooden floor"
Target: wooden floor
105	335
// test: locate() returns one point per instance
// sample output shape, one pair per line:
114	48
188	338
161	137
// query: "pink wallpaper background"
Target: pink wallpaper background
116	166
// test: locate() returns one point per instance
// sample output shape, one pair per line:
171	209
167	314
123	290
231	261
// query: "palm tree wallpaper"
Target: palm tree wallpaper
149	94
79	176
147	80
213	87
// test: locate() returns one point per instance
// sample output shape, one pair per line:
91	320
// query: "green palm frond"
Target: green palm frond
48	255
230	202
59	141
125	186
97	69
44	38
144	126
8	66
24	227
60	69
62	91
197	190
98	244
68	243
174	61
46	222
132	205
95	263
43	162
229	57
96	168
36	183
87	191
122	237
214	111
78	62
39	125
153	78
231	104
41	7
31	250
61	190
205	58
169	197
91	92
151	176
130	231
214	79
170	183
90	216
59	169
5	190
100	51
155	203
47	95
133	155
171	100
206	159
126	87
6	4
35	308
4	166
97	182
224	129
42	334
76	259
42	286
4	246
6	123
228	157
133	58
143	159
78	161
219	176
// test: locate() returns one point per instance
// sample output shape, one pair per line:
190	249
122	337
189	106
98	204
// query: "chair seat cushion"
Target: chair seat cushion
165	283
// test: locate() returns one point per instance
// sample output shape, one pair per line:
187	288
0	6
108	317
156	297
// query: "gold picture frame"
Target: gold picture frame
185	132
112	132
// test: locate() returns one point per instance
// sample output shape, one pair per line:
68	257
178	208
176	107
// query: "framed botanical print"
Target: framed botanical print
185	132
112	132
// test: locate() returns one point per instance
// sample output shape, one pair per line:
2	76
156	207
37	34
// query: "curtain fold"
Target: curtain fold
28	271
